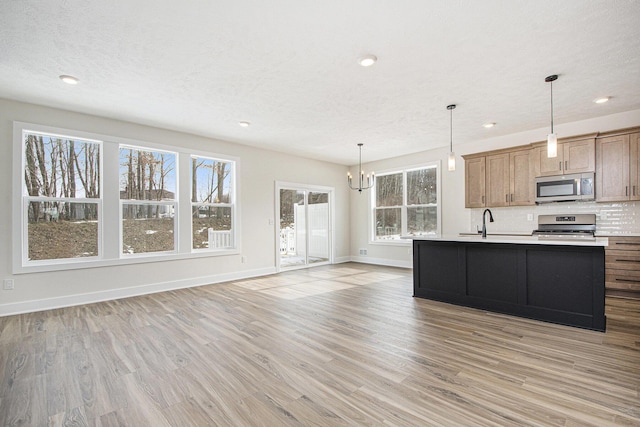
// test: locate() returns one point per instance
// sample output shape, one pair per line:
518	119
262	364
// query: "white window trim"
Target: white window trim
174	202
403	210
233	203
110	247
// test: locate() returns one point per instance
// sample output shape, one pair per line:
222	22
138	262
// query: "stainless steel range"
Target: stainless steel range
562	227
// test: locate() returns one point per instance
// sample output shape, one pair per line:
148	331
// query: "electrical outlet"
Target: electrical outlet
7	284
363	251
529	217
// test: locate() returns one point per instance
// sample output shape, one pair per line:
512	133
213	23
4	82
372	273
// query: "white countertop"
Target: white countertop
512	238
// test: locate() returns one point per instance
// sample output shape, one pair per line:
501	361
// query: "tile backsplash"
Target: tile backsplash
611	218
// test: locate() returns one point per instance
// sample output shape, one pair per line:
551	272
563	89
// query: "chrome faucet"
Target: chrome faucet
484	222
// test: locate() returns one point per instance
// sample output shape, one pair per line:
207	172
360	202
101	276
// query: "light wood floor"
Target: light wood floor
328	346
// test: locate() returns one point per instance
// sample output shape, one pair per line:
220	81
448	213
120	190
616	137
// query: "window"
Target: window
61	197
406	203
85	200
148	200
211	203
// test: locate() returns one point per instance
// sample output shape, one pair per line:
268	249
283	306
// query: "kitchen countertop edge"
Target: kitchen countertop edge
519	240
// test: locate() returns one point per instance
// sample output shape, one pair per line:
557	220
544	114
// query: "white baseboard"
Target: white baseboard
382	261
342	259
80	299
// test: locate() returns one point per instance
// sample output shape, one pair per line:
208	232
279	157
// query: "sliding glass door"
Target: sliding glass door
304	225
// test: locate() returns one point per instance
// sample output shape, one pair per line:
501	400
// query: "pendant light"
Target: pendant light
552	138
370	180
452	156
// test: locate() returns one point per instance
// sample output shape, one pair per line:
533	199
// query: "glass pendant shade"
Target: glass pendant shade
552	138
552	145
452	162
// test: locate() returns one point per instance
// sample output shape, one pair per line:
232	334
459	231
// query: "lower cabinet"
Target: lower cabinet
555	283
622	263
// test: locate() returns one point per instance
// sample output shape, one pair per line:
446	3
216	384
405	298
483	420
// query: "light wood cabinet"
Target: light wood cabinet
521	172
622	267
497	180
500	179
617	166
474	171
573	157
634	165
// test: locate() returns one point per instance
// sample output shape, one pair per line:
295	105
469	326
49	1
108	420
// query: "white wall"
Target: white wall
619	218
259	169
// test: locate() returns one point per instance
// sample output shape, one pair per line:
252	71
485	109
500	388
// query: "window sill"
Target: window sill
398	242
126	260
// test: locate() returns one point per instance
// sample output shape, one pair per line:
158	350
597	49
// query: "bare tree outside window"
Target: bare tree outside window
62	188
406	202
148	199
211	203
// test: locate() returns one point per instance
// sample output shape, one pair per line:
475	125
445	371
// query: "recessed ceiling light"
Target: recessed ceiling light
368	60
244	124
602	100
489	125
69	79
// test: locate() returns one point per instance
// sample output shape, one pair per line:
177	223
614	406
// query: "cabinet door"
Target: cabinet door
497	180
522	188
634	166
612	171
579	156
549	166
474	171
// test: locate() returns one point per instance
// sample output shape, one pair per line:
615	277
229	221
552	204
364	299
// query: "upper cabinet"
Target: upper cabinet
573	157
617	168
474	182
499	179
506	177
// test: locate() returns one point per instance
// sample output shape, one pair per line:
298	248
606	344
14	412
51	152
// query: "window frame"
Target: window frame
232	204
25	198
110	246
404	207
174	203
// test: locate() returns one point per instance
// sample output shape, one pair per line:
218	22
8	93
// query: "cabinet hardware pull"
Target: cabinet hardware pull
506	198
626	190
566	165
482	199
628	260
634	190
512	197
628	280
628	243
559	166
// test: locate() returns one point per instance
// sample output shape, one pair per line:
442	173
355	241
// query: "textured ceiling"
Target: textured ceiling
290	67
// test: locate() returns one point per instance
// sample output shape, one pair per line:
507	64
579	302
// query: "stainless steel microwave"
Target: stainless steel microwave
564	188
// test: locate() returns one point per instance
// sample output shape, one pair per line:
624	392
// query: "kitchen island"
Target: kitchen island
559	281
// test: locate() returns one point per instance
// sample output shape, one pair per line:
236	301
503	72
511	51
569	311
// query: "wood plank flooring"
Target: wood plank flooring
327	346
